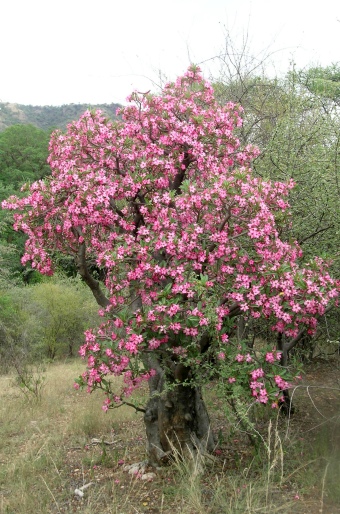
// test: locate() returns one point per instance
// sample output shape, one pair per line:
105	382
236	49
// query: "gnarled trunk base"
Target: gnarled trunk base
176	421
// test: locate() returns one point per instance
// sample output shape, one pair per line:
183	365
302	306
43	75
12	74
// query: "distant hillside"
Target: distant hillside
48	116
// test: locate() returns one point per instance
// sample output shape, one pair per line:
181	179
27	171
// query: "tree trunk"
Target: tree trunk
176	421
286	405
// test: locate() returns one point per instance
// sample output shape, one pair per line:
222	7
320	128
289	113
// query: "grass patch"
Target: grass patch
65	441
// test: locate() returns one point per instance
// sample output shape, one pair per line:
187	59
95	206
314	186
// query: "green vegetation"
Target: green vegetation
43	322
23	155
23	159
295	122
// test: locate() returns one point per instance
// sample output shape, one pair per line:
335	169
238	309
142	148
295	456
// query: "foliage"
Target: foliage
238	366
65	309
324	82
7	256
23	158
295	121
14	329
43	321
23	154
304	146
30	380
297	128
167	203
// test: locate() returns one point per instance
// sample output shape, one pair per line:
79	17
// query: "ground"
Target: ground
52	447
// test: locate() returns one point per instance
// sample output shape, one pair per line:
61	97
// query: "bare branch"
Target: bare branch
301	241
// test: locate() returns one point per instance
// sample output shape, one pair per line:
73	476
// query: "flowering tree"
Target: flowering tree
166	203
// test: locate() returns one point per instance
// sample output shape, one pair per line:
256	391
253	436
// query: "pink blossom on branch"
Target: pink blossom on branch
166	201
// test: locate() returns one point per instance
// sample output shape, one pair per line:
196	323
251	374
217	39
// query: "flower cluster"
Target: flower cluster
260	372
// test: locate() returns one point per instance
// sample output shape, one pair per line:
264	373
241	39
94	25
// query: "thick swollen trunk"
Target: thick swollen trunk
176	421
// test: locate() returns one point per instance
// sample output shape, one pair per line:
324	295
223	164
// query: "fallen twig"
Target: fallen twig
80	490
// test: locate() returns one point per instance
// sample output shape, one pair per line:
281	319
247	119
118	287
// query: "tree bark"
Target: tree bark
176	421
92	283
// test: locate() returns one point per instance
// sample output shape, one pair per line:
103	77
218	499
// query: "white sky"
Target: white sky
81	51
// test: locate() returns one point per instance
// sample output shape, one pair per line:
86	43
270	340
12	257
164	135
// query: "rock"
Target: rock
137	468
148	476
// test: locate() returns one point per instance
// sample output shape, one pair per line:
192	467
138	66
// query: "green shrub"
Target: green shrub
45	320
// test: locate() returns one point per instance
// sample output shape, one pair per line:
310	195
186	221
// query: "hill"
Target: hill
48	116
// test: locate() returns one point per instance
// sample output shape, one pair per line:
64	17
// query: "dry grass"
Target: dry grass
46	452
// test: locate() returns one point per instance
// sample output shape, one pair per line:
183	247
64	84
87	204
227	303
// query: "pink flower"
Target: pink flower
257	373
263	396
270	358
173	309
282	384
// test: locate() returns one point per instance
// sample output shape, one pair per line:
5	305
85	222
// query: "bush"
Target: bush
63	308
46	320
14	340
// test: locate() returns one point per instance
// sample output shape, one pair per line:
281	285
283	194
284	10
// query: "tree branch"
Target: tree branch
301	241
115	208
180	175
293	342
86	276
